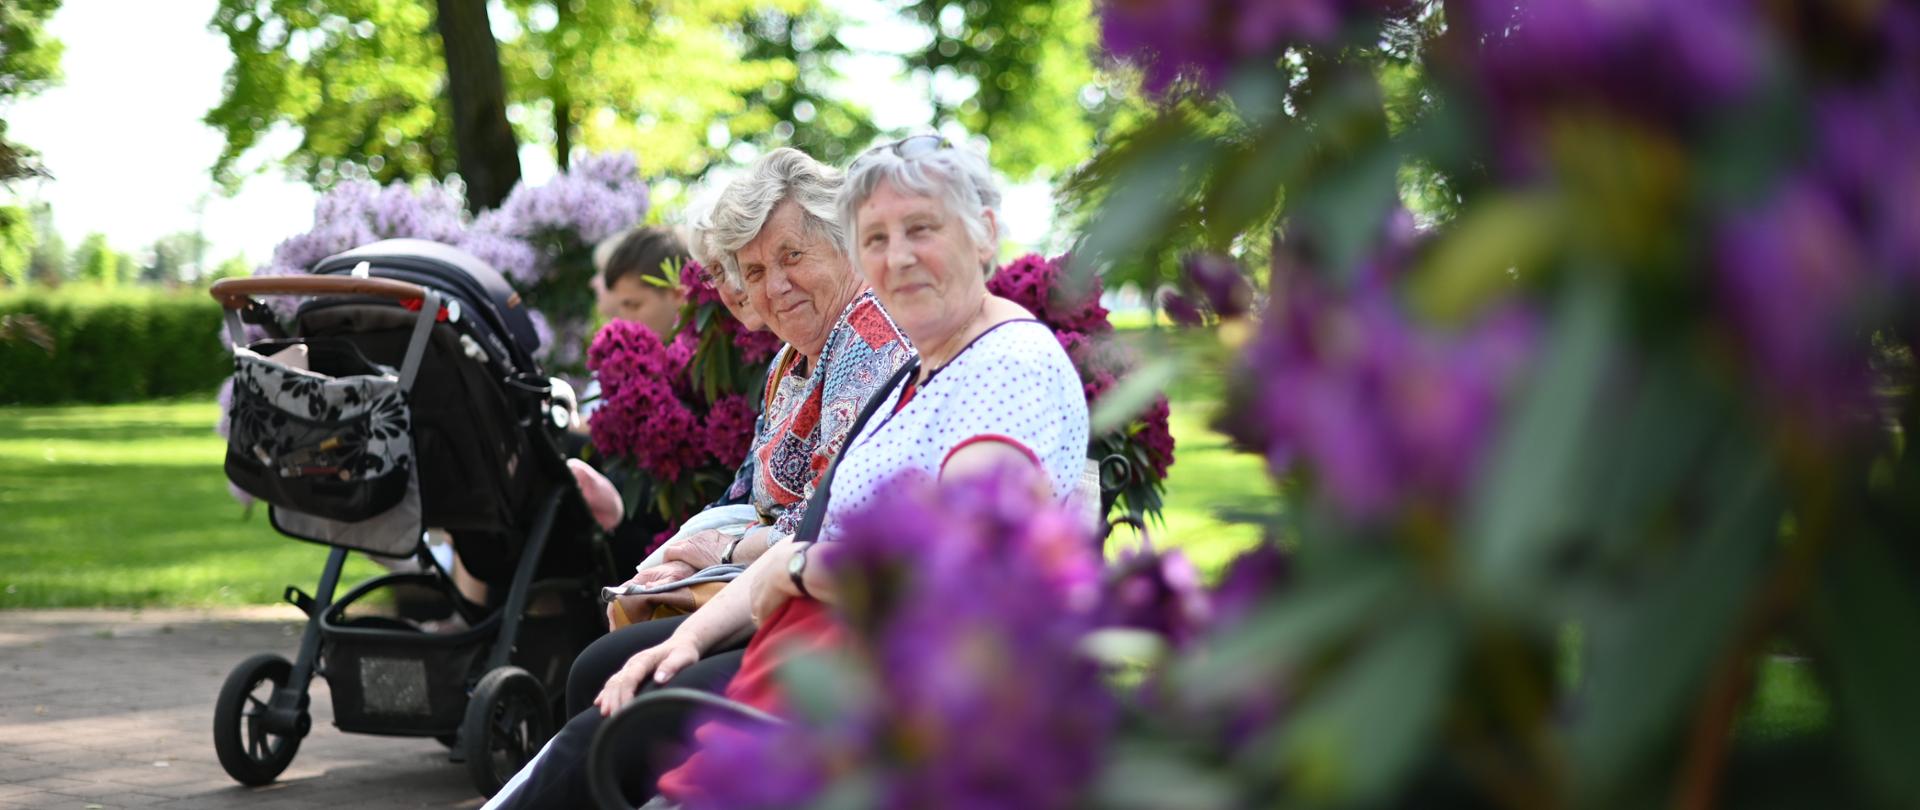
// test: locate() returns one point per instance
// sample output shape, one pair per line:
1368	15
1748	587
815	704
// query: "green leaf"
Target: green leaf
1866	608
1652	642
1477	259
1356	740
1519	506
1289	631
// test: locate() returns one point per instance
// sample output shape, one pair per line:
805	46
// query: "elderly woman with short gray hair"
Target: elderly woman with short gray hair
778	235
992	388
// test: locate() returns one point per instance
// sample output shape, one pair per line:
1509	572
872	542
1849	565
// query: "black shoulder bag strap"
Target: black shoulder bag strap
817	505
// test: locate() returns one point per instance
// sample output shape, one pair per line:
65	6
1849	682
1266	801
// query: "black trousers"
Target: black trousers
561	779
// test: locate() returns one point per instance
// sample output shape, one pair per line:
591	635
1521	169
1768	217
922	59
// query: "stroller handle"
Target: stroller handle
236	293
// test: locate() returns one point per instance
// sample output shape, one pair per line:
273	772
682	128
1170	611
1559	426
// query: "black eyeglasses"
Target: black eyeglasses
910	147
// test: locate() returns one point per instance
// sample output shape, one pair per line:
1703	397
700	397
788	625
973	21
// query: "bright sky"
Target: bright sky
129	156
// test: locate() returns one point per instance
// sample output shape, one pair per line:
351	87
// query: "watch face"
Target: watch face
797	564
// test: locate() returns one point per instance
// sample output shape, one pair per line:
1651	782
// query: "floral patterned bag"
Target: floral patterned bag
329	445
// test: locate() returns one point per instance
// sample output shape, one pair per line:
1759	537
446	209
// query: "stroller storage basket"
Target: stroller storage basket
389	678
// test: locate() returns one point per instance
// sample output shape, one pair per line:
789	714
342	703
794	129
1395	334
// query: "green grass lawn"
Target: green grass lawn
126	505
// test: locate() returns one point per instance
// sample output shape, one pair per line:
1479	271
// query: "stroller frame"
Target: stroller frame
494	722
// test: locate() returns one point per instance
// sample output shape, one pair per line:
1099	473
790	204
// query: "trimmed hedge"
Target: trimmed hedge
113	345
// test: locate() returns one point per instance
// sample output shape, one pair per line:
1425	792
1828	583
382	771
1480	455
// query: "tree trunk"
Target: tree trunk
562	131
488	155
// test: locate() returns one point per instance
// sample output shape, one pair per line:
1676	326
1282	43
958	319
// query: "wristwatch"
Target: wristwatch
797	568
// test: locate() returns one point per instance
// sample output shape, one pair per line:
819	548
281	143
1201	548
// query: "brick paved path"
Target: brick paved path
110	709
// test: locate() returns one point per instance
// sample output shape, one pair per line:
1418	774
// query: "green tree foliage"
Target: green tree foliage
97	262
363	81
652	77
805	114
235	266
1037	95
17	241
29	63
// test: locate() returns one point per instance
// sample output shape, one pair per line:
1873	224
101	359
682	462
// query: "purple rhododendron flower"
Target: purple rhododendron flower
958	669
1181	310
1792	277
1251	578
1669	64
1221	281
1202	40
694	286
1044	288
730	430
1382	410
1157	591
755	347
643	422
624	350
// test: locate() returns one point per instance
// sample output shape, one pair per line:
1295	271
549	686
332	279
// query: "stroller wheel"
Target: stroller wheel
507	721
250	751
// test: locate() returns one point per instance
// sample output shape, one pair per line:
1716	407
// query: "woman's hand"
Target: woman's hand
701	549
659	662
637	608
603	501
768	584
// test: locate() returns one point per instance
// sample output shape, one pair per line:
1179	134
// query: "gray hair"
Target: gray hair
958	178
742	210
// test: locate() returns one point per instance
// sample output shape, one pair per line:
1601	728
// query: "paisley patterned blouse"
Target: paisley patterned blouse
809	411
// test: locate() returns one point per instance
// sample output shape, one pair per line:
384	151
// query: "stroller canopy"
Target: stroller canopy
494	311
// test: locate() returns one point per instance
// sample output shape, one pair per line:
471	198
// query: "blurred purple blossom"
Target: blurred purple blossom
513	257
1252	578
1668	64
1181	310
969	626
598	197
1792	279
1156	591
1221	282
1202	40
543	332
1382	410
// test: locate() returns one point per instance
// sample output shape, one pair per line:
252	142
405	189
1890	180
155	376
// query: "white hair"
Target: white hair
742	210
958	178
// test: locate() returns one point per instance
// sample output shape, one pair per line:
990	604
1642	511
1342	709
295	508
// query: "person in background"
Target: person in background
640	279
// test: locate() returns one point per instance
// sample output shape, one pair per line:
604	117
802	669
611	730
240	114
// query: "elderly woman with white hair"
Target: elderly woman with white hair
779	235
991	387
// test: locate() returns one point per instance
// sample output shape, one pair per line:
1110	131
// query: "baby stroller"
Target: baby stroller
403	398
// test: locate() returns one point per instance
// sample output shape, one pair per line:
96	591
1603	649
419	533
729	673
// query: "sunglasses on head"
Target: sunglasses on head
910	147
